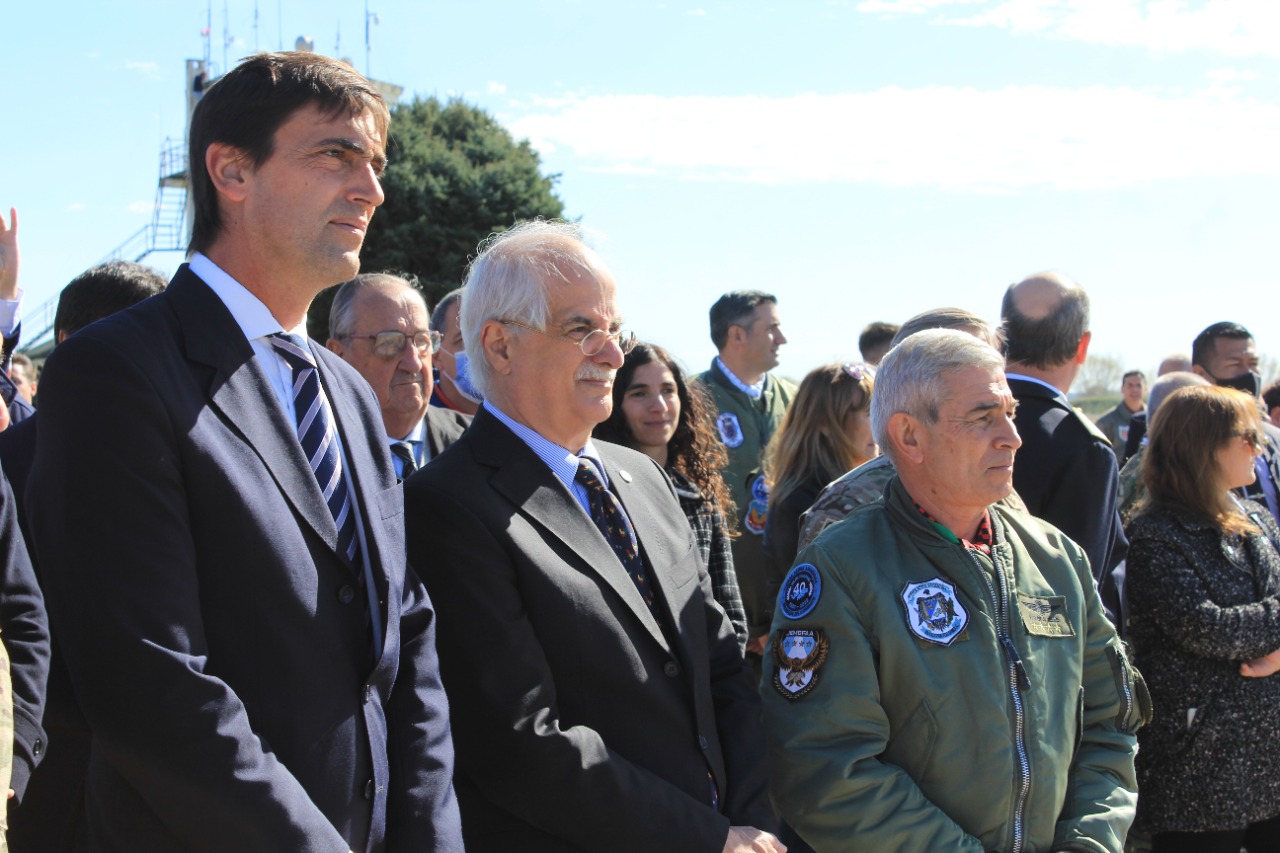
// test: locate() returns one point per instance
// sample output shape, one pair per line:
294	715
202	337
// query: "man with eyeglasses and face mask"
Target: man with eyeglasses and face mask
378	325
1225	354
454	389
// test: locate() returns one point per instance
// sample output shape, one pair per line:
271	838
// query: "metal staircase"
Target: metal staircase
166	232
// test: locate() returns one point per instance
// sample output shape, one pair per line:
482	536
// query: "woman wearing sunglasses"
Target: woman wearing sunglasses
1203	578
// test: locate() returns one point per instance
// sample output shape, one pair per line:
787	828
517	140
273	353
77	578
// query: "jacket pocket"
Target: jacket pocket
1135	700
911	744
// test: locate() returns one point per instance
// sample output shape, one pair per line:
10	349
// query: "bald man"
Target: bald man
1065	471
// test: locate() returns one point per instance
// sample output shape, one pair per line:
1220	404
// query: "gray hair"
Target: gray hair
511	278
442	308
912	377
950	318
342	319
1166	385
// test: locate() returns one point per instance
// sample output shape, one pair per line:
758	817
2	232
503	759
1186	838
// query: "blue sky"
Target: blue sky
863	160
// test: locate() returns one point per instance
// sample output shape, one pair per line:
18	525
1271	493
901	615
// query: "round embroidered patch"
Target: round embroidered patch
800	591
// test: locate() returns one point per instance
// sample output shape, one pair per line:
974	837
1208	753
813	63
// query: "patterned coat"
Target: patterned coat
1200	603
711	531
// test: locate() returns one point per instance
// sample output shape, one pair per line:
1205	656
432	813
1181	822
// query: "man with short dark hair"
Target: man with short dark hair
378	325
600	700
942	675
1066	471
1115	423
254	658
749	404
1225	354
51	817
1271	399
875	341
454	388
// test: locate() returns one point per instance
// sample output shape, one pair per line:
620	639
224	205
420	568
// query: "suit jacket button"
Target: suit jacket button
368	790
671	668
37	747
702	741
368	694
346	594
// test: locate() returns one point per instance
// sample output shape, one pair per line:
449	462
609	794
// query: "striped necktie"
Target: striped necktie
319	437
403	450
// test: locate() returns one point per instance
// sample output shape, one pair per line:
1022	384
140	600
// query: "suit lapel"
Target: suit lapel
241	393
526	481
657	544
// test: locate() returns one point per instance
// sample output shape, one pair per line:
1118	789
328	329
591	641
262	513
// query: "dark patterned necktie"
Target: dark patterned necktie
319	438
612	520
403	451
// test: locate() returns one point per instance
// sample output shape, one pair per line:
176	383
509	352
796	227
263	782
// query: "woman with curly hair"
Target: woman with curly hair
825	433
656	412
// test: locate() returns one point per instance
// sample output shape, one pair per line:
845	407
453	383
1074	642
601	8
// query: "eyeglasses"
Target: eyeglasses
1254	438
592	342
391	344
856	372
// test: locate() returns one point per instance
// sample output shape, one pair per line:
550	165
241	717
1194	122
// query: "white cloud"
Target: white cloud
1231	75
77	207
1230	27
698	13
958	139
139	207
496	88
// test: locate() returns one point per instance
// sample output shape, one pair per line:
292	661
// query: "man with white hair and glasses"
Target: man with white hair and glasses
600	699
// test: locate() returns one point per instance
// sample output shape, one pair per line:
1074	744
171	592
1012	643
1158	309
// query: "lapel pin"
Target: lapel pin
625	475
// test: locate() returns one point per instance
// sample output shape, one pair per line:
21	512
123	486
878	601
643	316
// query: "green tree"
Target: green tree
455	175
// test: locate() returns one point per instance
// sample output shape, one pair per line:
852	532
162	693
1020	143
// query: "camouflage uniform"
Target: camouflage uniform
861	486
1131	490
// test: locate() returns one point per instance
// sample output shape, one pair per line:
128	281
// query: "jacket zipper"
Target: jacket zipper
1126	688
1018	681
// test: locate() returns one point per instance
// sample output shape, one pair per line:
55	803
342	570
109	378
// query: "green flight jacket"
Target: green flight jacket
745	426
997	716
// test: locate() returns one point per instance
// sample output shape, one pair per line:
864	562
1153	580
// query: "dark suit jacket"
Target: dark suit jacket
217	643
578	727
444	427
24	630
1066	474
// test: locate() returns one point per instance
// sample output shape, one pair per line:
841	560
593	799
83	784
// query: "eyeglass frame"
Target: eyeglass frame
625	339
1254	437
434	338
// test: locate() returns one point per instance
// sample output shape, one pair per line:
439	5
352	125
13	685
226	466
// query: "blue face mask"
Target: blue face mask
462	376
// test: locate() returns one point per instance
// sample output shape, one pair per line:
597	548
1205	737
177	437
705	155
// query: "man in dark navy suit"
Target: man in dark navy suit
217	520
1066	470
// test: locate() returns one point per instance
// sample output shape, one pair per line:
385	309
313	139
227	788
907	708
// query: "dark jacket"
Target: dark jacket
1066	474
222	658
580	723
1200	603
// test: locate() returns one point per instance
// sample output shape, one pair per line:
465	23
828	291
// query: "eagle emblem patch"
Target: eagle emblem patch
798	656
730	429
758	509
934	611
